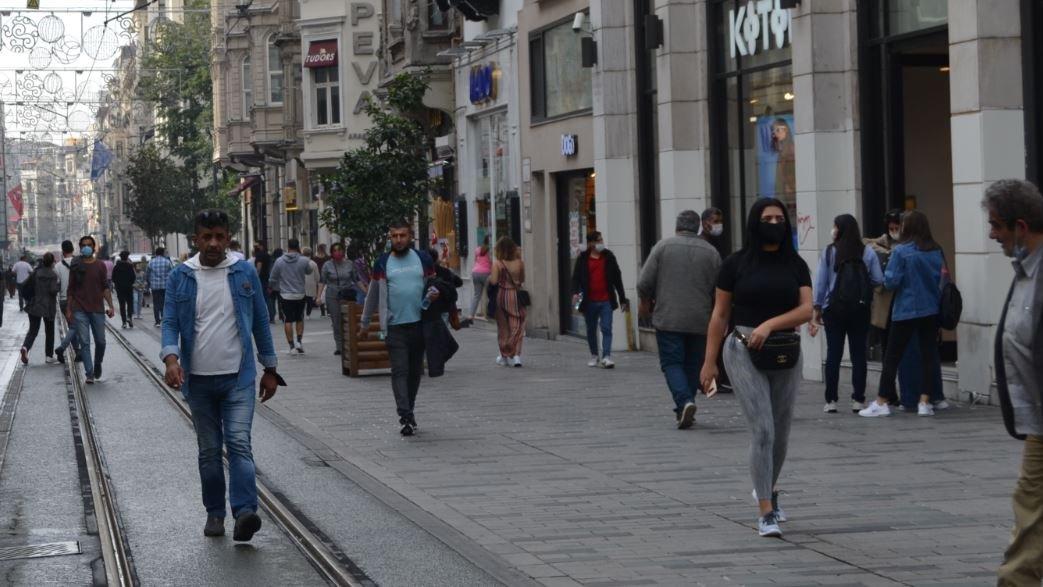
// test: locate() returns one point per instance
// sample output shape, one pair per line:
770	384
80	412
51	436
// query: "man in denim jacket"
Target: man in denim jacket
213	299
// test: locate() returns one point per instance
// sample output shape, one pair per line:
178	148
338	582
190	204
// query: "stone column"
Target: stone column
988	144
825	82
615	142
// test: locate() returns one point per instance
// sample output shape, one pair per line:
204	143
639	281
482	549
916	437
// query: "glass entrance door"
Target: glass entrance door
576	217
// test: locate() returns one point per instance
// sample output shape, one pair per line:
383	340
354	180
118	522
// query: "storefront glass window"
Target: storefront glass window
494	194
906	16
754	151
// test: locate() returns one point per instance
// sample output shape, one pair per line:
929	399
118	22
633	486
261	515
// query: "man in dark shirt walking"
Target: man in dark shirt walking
597	286
88	290
123	277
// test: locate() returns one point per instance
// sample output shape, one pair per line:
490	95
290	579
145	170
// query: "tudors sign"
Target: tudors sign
484	83
760	25
321	54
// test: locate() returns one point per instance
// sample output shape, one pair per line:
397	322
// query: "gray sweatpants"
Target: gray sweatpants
767	399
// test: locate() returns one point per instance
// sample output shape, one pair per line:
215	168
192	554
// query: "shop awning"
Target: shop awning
244	185
321	54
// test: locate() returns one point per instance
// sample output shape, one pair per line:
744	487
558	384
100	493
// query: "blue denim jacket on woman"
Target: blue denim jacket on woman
916	278
251	316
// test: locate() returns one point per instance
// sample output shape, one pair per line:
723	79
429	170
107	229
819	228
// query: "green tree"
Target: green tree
176	79
160	193
386	178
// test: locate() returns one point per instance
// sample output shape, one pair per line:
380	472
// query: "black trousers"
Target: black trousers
406	347
126	301
902	331
158	296
34	329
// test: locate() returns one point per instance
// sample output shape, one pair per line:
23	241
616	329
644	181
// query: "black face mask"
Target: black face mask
772	234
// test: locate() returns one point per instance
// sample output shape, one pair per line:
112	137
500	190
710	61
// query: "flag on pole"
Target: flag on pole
15	195
100	161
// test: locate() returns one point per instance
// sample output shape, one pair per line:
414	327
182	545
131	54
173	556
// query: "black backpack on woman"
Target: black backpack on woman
852	290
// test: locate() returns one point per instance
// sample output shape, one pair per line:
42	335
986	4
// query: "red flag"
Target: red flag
15	195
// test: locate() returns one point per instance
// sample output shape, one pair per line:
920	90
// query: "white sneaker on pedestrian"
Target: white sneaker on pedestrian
875	410
594	361
830	408
768	526
942	405
608	363
516	361
299	348
501	360
50	360
292	351
925	409
857	406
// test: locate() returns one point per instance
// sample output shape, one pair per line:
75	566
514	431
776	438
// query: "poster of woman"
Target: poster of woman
776	160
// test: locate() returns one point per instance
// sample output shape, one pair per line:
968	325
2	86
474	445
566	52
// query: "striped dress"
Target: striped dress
510	316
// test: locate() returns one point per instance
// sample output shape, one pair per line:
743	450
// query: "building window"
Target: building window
248	91
560	85
753	152
327	96
437	19
275	73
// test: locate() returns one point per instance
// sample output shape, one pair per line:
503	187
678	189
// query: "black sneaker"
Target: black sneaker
97	373
215	526
407	430
89	380
412	422
77	358
336	353
130	324
779	514
158	324
246	525
60	354
687	416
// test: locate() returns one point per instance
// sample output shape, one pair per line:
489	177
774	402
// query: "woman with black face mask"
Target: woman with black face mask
764	291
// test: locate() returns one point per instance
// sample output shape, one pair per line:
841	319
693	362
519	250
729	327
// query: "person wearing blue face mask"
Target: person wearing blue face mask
1015	209
88	290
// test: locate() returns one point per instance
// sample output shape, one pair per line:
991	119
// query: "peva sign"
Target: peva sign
760	25
484	82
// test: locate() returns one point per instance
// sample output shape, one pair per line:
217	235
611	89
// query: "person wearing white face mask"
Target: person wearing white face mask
712	228
596	281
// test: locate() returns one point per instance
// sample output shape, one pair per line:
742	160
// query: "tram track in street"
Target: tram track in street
321	551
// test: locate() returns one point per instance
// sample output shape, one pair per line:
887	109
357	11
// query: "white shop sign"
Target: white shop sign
760	25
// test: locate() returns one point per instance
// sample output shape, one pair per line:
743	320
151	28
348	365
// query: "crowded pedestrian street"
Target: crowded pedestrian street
553	474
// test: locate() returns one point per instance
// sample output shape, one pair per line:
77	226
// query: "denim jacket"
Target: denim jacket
916	278
179	320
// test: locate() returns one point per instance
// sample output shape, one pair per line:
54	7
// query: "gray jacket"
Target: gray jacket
288	274
680	274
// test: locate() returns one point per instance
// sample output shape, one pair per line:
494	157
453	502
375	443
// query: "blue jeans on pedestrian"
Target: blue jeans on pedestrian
86	323
593	313
70	334
853	326
681	357
223	414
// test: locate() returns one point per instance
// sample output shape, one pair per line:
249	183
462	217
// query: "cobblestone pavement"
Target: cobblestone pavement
574	475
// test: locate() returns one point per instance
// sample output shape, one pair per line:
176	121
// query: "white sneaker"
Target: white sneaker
942	405
50	360
516	361
608	363
875	410
299	348
594	361
292	351
925	409
830	408
501	360
857	407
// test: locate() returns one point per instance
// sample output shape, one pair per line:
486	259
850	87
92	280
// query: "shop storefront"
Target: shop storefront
752	103
577	217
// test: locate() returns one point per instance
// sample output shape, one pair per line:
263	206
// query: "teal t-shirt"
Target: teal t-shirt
405	280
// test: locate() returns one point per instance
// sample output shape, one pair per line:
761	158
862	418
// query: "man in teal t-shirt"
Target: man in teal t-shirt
396	292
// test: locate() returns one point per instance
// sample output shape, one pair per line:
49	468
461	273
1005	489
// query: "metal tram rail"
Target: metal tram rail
333	565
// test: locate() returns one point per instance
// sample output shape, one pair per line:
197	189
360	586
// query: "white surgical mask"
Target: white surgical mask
834	232
894	235
716	229
599	247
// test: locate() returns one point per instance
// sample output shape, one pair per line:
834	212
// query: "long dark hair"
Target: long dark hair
848	244
917	230
753	245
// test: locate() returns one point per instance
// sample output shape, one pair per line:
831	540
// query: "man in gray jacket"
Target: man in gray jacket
287	282
677	287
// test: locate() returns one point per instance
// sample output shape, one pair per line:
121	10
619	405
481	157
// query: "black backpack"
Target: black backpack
852	290
950	306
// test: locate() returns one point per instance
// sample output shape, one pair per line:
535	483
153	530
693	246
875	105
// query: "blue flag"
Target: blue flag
100	161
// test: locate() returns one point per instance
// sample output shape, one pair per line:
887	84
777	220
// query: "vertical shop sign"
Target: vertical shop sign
363	46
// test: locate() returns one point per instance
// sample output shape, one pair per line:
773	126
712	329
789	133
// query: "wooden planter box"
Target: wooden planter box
361	355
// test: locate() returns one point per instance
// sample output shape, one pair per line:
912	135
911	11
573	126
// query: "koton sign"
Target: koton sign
760	25
321	54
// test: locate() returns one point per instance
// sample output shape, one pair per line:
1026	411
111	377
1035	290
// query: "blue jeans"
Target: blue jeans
681	357
222	415
70	334
593	313
87	322
855	328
